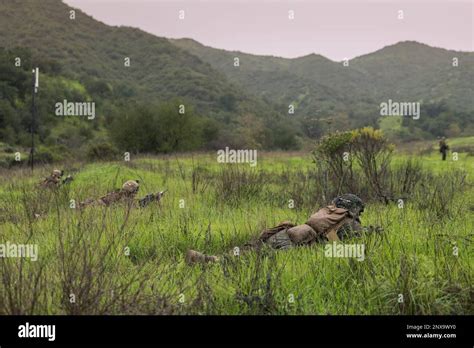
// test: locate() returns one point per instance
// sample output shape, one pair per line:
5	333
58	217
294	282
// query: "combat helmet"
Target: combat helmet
57	173
350	202
131	187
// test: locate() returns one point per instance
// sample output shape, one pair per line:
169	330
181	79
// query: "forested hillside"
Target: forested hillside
82	59
139	82
351	94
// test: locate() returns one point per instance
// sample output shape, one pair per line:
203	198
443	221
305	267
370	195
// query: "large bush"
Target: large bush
333	156
337	153
102	151
161	128
373	153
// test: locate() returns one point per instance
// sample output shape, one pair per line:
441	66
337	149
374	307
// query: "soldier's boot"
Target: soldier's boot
193	257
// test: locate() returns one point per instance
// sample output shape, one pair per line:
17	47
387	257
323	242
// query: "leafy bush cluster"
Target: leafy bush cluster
151	125
368	148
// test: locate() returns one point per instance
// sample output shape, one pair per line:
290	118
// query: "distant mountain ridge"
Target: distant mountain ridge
86	48
162	68
406	70
256	95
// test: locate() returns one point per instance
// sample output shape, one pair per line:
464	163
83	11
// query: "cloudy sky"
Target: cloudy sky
337	29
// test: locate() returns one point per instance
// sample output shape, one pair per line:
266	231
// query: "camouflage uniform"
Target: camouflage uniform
334	222
54	180
126	193
443	148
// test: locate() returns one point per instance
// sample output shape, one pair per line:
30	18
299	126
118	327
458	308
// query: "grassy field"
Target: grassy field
122	260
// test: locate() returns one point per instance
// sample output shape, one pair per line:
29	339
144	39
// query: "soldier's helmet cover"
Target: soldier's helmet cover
57	173
350	202
131	186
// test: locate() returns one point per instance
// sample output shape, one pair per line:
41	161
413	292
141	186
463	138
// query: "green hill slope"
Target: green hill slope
83	59
407	71
88	50
413	71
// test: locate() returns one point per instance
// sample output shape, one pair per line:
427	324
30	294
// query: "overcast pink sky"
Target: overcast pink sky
336	29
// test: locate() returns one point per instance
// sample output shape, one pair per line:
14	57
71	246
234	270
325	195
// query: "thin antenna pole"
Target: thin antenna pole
33	115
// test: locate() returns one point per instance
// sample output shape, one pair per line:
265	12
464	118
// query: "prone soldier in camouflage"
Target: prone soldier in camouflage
126	194
54	180
338	221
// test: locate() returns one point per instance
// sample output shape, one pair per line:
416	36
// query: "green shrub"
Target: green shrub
336	154
373	153
102	151
44	157
333	155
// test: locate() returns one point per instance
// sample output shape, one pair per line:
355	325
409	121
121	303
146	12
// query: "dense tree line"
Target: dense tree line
128	121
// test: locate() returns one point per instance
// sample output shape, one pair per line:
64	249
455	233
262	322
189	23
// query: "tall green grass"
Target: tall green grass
85	253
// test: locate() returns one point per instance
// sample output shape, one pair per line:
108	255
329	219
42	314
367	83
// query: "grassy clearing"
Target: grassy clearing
120	260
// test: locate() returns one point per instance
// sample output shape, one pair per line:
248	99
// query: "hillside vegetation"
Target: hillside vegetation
137	254
247	106
350	95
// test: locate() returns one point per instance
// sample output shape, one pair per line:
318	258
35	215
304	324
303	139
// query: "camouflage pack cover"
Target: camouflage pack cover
302	235
287	235
273	230
280	240
327	219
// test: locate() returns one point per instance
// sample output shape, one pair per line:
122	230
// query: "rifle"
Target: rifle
151	197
